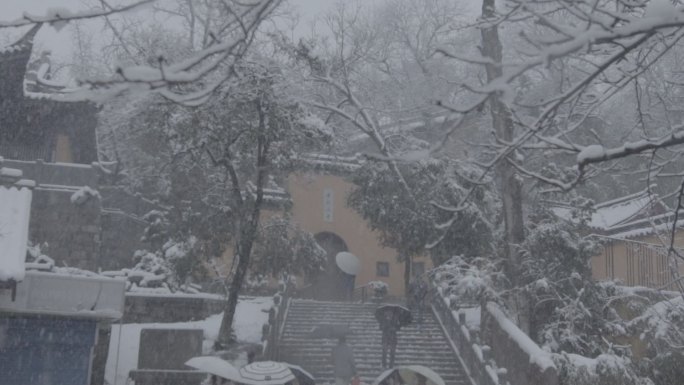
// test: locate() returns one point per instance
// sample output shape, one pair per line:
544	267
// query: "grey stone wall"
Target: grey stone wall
71	231
168	349
120	235
61	174
119	199
144	309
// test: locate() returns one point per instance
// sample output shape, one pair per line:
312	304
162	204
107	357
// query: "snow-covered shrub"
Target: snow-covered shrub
668	368
380	288
466	282
84	194
171	258
606	369
256	284
662	325
568	311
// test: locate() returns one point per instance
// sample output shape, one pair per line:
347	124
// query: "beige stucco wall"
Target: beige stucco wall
306	191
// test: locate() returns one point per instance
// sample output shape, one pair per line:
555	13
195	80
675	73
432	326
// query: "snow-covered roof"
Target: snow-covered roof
15	210
335	163
618	214
24	43
273	194
630	216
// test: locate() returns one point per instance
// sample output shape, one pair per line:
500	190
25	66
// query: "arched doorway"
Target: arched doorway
333	284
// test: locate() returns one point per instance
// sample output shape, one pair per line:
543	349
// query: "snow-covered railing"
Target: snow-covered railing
499	353
474	358
272	331
525	362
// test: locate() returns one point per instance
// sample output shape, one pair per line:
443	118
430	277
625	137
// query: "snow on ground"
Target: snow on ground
250	315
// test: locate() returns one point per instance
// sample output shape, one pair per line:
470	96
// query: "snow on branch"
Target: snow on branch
193	80
596	153
60	16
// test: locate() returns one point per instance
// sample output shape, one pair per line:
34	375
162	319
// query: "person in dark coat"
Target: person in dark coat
417	293
389	325
344	367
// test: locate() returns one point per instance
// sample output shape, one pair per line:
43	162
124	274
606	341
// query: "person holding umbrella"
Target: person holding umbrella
344	367
391	318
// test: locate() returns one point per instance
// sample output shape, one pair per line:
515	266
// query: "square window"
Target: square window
382	269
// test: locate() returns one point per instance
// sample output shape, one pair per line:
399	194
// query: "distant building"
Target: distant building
49	322
51	137
36	120
634	232
315	196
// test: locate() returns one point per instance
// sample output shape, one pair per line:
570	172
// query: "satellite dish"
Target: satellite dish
348	262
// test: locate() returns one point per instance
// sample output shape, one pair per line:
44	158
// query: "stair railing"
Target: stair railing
465	343
271	332
361	293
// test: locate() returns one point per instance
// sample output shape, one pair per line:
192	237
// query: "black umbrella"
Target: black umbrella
303	377
330	331
395	315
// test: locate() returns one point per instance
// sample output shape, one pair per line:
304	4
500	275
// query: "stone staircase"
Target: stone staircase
425	346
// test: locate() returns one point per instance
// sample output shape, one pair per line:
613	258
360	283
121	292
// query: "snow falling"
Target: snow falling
386	192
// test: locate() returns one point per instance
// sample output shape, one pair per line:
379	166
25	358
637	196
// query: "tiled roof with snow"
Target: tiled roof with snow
15	209
272	194
621	210
332	163
630	216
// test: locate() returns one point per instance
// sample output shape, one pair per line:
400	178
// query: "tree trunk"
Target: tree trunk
247	231
509	186
242	252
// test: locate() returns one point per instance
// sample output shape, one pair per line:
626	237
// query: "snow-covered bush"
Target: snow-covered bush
568	311
84	194
170	259
668	368
466	282
606	369
380	288
661	325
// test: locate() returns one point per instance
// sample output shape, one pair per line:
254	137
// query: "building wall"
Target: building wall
640	261
308	192
71	231
120	237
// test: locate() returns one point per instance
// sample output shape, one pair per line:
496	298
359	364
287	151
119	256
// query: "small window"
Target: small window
382	269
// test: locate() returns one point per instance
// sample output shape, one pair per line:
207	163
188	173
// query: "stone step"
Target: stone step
370	333
418	348
424	346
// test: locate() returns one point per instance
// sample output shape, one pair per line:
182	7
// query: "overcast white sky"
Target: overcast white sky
60	41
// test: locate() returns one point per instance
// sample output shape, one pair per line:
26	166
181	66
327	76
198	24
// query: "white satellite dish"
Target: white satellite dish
348	262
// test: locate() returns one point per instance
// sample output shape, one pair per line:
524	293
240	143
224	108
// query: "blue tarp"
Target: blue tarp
45	350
